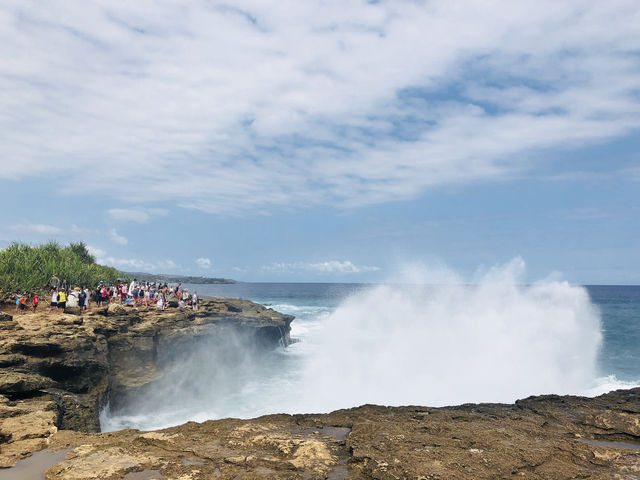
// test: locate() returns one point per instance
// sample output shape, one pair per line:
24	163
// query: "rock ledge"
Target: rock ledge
66	366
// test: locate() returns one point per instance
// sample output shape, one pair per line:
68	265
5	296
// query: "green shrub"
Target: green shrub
30	268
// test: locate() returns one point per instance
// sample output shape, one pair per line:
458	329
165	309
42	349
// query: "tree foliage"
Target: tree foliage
30	268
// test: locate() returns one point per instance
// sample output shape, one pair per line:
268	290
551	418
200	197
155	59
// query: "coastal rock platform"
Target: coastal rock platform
547	437
57	371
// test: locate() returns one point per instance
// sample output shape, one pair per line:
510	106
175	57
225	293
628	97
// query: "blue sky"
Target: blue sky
325	141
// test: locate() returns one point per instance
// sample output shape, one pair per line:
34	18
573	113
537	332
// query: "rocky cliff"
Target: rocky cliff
70	365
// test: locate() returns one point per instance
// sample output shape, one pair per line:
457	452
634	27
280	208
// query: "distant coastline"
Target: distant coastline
162	277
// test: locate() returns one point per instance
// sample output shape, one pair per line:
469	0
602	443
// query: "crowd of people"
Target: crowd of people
22	299
138	294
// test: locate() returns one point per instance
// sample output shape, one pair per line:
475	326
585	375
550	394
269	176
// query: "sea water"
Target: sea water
406	343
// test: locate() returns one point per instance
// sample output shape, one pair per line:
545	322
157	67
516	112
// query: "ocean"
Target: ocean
405	344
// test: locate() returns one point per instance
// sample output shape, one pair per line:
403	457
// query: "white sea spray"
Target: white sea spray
428	337
493	341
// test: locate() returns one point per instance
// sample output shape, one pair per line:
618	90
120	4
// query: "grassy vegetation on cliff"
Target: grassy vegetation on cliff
29	268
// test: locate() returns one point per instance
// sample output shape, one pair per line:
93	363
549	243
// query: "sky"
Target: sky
325	140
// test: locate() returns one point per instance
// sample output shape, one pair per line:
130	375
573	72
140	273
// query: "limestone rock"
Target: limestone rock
11	325
541	438
77	411
622	422
113	349
23	383
115	309
25	427
11	360
6	322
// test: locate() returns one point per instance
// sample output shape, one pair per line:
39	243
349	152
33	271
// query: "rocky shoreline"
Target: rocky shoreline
64	367
547	437
538	438
59	370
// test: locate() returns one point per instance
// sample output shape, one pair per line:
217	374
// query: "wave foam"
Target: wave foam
494	341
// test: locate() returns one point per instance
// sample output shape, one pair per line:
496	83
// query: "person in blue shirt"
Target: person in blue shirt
18	297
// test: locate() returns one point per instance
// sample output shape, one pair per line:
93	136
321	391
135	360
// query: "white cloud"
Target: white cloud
272	104
138	265
332	266
340	267
35	229
96	252
585	213
203	263
138	215
279	267
117	238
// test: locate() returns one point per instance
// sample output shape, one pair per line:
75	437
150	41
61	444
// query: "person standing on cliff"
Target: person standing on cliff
62	300
194	300
82	300
35	300
54	299
98	295
160	302
23	303
18	297
54	282
104	295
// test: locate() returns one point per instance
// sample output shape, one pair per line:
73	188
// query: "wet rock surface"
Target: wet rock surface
25	427
545	437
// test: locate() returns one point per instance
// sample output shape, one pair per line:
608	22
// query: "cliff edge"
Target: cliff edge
60	369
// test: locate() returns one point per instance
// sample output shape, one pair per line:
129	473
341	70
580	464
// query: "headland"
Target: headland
67	366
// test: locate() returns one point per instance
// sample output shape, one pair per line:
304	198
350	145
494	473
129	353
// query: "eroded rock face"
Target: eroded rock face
25	427
6	322
537	438
76	362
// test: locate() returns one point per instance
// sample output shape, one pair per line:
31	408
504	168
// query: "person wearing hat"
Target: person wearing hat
99	294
